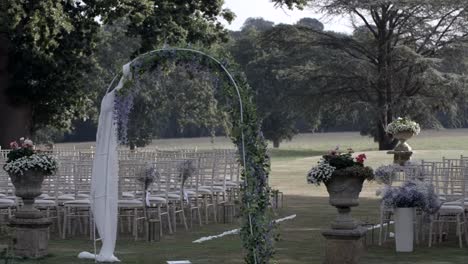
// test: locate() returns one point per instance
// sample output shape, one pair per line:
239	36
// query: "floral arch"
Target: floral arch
257	228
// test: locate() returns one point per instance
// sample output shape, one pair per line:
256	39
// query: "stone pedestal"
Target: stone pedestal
31	237
401	157
345	238
344	246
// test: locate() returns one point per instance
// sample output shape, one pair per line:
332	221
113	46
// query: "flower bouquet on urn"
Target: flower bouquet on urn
343	175
27	168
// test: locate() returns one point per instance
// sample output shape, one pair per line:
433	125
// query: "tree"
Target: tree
181	95
262	64
310	23
46	47
390	66
257	23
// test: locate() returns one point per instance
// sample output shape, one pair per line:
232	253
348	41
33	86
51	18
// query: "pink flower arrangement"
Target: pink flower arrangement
23	143
14	145
360	158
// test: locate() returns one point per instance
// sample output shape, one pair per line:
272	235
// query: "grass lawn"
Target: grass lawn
301	240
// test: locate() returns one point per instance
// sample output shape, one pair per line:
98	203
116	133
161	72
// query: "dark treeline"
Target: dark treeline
295	70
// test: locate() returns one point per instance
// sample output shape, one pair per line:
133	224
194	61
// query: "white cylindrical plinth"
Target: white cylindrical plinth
404	229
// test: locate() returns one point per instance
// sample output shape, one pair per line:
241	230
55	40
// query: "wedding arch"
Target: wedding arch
257	228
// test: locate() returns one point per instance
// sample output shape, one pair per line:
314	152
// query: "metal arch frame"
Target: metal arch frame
241	105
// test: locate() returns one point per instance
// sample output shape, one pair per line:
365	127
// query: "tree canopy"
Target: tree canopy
391	66
48	48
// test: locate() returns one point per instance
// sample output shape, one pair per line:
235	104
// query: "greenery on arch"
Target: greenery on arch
234	96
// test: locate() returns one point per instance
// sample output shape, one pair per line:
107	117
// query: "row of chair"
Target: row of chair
449	178
173	196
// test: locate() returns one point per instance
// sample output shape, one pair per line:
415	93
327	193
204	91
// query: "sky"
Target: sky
264	8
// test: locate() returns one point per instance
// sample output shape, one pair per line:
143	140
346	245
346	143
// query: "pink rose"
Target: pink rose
361	158
14	145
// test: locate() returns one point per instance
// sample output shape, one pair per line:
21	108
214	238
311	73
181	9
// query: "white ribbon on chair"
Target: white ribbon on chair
104	184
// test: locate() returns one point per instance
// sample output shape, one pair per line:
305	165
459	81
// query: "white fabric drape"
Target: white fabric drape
104	184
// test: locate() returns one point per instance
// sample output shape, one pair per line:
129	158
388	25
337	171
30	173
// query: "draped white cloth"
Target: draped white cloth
104	184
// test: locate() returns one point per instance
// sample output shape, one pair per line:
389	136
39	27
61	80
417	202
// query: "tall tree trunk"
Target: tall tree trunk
15	120
276	143
385	141
384	82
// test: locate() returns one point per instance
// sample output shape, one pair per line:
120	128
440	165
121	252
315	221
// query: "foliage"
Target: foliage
391	66
184	86
415	193
263	63
310	23
48	41
257	23
356	171
51	47
48	135
337	162
403	125
23	157
341	160
257	227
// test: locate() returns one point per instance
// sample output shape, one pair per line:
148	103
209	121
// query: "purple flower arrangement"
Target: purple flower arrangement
413	193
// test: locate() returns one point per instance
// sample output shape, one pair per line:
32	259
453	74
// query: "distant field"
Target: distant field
449	139
294	158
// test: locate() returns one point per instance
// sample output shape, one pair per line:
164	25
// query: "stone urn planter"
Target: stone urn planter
344	193
345	238
31	227
28	187
403	137
403	151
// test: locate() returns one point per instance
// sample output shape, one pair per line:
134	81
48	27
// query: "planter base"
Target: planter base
31	237
344	246
401	157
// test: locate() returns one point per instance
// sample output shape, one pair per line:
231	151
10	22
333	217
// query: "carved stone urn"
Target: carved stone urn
345	238
31	227
28	187
344	193
403	137
403	151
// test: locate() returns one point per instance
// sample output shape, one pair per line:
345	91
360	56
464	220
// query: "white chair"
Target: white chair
158	207
79	208
450	182
130	188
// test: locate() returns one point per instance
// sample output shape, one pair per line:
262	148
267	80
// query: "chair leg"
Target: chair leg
183	218
430	231
381	228
199	216
459	232
171	231
65	222
135	224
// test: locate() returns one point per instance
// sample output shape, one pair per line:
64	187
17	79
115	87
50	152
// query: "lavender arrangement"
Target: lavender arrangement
186	170
148	176
385	174
413	193
123	105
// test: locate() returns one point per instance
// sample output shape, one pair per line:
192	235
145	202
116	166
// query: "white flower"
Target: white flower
320	173
28	142
35	162
403	125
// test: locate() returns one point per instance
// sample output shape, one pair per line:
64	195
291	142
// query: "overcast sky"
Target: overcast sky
264	8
